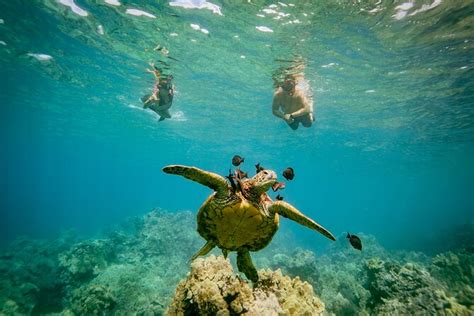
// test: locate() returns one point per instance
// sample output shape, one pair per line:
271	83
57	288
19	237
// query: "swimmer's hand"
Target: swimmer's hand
288	118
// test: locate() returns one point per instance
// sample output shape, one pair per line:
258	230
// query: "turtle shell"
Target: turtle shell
234	223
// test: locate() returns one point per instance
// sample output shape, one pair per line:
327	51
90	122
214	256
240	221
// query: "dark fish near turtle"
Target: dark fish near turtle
279	197
241	174
258	168
278	186
355	241
289	173
230	177
237	160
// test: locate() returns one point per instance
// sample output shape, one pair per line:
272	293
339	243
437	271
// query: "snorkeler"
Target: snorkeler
162	97
291	104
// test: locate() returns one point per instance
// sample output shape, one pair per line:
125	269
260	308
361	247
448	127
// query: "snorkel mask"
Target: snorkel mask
288	85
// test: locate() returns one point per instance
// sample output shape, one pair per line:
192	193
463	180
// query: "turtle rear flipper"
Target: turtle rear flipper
245	265
209	179
204	250
290	212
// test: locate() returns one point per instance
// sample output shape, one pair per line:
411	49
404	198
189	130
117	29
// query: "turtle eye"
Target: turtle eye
267	175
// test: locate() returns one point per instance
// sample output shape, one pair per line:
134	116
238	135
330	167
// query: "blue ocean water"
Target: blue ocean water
390	154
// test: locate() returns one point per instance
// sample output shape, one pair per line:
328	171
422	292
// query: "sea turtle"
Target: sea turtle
240	217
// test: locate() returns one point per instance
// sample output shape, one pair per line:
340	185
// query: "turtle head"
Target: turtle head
261	182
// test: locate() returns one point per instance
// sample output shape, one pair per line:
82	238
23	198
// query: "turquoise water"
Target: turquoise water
389	157
390	153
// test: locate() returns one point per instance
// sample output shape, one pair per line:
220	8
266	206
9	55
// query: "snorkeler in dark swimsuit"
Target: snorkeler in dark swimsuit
162	97
291	104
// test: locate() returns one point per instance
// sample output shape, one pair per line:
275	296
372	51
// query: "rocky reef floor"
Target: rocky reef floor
143	268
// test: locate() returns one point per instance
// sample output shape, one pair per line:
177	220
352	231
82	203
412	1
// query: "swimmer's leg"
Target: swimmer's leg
165	114
307	120
294	125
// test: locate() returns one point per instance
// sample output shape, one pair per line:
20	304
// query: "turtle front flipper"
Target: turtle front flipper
288	211
209	179
245	265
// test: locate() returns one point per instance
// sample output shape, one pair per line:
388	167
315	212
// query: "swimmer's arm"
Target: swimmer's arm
276	107
304	110
153	71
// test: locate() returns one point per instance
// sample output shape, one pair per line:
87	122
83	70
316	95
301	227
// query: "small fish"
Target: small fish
258	168
240	174
278	186
355	241
237	160
230	177
279	197
289	173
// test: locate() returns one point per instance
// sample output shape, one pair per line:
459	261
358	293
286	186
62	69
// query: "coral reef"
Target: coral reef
212	288
29	280
160	231
92	300
344	278
148	263
134	270
456	272
295	297
300	263
138	269
85	260
337	276
407	290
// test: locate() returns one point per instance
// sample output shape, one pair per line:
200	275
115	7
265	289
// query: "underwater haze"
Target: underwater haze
390	153
90	224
